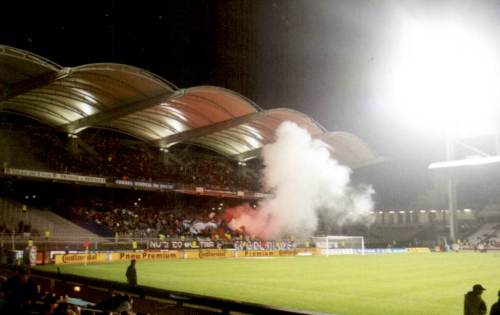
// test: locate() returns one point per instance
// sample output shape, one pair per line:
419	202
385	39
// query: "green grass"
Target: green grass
394	284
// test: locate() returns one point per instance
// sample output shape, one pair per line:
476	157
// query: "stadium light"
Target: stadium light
466	162
444	79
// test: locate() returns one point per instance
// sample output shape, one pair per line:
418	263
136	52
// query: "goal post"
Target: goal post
340	245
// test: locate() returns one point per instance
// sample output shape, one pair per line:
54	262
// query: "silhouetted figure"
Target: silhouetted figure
473	302
131	274
21	293
495	308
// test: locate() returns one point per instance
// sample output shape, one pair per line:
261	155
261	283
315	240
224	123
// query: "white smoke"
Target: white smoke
306	183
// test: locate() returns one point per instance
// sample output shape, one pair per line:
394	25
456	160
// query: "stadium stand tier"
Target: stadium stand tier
138	103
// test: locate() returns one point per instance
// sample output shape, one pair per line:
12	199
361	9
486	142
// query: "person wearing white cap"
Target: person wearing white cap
473	302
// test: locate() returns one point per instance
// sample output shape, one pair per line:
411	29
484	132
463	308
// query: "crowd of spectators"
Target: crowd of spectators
184	164
20	294
21	228
139	222
106	153
140	218
487	240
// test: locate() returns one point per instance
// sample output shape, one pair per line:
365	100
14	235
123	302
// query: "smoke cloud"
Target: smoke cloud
306	184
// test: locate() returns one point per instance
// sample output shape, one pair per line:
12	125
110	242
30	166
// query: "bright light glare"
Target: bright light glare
466	162
445	77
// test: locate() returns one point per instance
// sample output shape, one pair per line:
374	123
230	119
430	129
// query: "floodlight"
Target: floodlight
444	78
465	162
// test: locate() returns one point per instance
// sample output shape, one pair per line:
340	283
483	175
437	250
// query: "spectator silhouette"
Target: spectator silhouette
131	274
21	293
495	308
473	302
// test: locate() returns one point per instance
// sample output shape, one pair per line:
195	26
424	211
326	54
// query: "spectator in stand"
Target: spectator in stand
473	302
3	283
21	293
64	308
117	304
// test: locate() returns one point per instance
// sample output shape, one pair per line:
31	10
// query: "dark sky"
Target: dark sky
323	58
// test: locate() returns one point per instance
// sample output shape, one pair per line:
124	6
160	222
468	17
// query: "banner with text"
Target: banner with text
257	253
157	244
144	185
264	245
92	258
55	176
215	253
146	255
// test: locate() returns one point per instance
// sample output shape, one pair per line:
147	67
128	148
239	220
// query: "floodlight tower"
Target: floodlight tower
451	189
444	79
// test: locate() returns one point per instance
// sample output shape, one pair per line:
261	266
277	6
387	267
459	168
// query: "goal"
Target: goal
340	245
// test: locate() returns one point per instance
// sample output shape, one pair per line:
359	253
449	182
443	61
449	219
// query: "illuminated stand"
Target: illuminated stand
483	158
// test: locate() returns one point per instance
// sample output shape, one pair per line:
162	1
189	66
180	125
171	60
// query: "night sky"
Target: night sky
323	58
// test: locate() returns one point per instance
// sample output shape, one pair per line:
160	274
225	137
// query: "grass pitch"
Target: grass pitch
392	284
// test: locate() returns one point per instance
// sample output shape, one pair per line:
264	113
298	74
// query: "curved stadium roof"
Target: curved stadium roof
136	102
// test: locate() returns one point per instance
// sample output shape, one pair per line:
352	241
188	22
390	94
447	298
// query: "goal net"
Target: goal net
340	245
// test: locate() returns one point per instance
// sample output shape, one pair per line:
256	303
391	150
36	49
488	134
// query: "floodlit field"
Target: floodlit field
392	284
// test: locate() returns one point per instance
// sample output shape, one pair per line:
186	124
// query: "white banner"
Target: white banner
55	176
144	185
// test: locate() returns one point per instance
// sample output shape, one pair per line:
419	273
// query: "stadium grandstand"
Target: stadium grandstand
114	155
108	162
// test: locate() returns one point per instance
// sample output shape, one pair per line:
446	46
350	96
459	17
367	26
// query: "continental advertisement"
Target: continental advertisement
191	254
215	253
91	258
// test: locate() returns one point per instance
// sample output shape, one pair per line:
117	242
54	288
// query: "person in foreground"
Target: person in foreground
495	308
473	302
131	274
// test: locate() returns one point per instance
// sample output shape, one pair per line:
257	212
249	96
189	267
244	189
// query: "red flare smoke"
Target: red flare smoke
249	221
